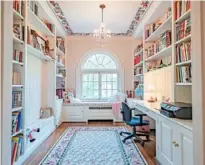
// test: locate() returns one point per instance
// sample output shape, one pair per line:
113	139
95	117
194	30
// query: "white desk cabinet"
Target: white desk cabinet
173	143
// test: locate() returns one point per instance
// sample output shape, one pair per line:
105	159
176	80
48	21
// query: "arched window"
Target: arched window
99	61
100	77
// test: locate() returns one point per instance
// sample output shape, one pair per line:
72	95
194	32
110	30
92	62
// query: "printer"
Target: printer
176	110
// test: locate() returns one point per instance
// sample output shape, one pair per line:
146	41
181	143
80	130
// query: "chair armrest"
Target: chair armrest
132	109
141	114
141	117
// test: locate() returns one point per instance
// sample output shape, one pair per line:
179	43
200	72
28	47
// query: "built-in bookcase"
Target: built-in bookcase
182	50
18	137
37	54
166	39
138	65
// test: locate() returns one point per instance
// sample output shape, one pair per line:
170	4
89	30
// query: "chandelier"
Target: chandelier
102	35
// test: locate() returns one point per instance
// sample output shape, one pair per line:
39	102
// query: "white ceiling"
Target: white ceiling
84	17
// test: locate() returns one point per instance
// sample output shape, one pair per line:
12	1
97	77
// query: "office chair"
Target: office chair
133	122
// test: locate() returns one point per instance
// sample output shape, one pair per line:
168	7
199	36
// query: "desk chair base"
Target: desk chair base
136	135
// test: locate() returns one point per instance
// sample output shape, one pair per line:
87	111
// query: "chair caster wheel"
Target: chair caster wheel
123	141
142	144
120	133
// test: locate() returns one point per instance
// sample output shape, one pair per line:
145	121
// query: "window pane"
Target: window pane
90	87
96	85
85	77
99	61
109	85
104	93
114	85
109	93
104	85
103	77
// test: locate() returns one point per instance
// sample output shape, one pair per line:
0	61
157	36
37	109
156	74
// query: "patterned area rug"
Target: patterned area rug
93	146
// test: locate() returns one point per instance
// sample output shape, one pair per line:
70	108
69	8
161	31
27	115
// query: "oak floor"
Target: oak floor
148	151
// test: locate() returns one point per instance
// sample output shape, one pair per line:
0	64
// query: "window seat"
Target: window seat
85	111
89	104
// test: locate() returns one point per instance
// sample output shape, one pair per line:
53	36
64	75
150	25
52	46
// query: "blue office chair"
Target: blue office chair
133	122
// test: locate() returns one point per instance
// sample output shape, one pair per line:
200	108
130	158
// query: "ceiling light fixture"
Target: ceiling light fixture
102	35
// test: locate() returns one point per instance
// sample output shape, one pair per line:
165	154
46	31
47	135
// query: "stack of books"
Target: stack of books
183	29
183	52
181	7
183	74
17	148
18	55
16	122
60	44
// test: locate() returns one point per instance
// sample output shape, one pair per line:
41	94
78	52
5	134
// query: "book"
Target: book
181	7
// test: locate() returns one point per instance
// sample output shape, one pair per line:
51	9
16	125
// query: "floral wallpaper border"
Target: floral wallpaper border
138	16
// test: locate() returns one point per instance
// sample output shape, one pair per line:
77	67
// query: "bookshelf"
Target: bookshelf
32	62
166	53
138	65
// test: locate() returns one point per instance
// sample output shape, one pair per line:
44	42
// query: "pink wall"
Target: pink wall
120	47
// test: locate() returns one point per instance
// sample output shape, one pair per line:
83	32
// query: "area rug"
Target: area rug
93	146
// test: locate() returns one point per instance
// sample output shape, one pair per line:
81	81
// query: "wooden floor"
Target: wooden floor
148	151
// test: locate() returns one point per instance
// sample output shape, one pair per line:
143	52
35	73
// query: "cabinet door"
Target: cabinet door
72	113
183	154
164	140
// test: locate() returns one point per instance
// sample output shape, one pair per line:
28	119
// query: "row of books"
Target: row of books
16	122
16	99
181	7
35	40
33	6
18	6
183	52
138	59
60	43
154	26
18	30
18	55
165	41
138	48
17	148
184	74
183	29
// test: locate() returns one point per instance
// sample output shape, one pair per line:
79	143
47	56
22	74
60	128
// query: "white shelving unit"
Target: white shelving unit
163	53
139	52
38	24
162	28
17	40
37	75
167	55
